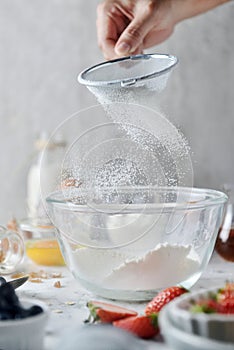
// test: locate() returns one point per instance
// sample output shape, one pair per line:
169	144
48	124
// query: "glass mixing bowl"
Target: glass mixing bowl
128	243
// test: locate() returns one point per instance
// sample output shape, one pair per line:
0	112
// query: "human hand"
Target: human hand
129	26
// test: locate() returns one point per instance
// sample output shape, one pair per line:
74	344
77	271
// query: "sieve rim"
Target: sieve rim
172	61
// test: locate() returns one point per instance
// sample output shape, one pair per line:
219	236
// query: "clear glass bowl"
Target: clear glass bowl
129	243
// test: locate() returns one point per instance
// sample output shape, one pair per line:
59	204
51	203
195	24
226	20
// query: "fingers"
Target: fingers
133	36
123	26
110	23
105	32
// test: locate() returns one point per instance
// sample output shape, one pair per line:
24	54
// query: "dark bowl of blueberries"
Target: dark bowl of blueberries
22	322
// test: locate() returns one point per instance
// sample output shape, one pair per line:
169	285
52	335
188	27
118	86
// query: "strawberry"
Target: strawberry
225	299
163	298
226	306
142	326
208	306
221	302
107	313
226	292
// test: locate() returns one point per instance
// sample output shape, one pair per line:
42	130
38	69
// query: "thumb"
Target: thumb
132	37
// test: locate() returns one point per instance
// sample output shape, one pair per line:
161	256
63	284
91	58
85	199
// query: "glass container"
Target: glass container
139	240
11	250
41	243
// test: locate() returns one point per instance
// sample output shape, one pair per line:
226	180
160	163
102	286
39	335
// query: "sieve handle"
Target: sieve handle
128	83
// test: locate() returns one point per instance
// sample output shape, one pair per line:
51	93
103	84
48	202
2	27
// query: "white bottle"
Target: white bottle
43	175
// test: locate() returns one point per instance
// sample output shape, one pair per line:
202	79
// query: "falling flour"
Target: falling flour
163	148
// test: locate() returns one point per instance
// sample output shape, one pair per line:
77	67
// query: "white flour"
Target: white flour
150	131
167	264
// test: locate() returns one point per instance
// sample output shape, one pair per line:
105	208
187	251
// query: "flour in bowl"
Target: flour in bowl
167	264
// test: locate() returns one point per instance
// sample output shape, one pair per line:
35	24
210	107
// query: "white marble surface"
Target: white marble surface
67	304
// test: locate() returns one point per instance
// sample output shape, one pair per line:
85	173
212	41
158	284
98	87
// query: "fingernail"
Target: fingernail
123	48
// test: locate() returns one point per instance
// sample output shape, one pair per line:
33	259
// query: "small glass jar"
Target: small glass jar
41	244
225	241
11	250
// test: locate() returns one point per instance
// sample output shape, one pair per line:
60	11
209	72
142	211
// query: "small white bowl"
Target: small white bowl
214	326
178	339
27	333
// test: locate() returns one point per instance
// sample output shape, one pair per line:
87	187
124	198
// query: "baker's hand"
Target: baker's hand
128	26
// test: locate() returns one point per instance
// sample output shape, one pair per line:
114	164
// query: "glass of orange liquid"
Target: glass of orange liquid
41	244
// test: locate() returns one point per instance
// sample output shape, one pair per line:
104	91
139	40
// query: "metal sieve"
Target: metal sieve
138	70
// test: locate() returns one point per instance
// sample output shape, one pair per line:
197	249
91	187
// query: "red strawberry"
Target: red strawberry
163	298
225	299
208	306
226	306
142	326
107	313
221	302
227	292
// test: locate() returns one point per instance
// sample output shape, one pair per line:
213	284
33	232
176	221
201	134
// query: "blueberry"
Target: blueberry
10	307
2	281
8	296
5	315
35	310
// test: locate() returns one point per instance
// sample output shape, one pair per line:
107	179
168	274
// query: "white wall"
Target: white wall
44	44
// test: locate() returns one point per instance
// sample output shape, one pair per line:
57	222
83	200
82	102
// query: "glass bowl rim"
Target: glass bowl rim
213	198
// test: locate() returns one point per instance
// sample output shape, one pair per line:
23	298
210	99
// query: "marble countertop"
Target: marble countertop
67	304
